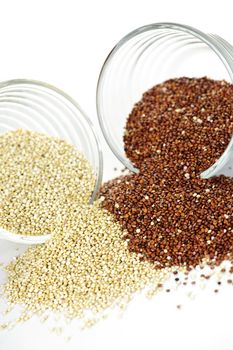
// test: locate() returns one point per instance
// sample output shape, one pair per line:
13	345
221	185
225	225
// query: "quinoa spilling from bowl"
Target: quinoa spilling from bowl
172	216
42	181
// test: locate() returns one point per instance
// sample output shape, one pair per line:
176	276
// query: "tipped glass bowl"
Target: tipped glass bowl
38	106
150	55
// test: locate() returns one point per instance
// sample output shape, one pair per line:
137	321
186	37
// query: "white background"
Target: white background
65	42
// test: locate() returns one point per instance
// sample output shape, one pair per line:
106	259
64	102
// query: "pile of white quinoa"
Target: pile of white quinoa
85	267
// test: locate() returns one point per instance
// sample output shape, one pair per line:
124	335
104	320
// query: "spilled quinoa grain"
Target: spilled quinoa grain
181	225
85	267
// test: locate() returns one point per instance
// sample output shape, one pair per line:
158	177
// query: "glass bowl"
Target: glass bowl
41	107
150	55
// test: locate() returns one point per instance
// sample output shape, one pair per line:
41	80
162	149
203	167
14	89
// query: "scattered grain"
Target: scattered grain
86	266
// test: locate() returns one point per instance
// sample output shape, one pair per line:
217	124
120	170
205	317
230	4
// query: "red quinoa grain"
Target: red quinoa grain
173	217
174	227
187	119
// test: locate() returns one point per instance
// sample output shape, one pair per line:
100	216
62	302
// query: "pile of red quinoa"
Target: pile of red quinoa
172	216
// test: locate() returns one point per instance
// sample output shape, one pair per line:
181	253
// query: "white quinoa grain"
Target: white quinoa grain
85	266
42	180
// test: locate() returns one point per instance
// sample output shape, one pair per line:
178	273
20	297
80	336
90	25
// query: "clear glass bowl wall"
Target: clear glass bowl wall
147	56
34	105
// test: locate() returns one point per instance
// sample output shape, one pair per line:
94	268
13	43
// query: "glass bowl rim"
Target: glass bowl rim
24	239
